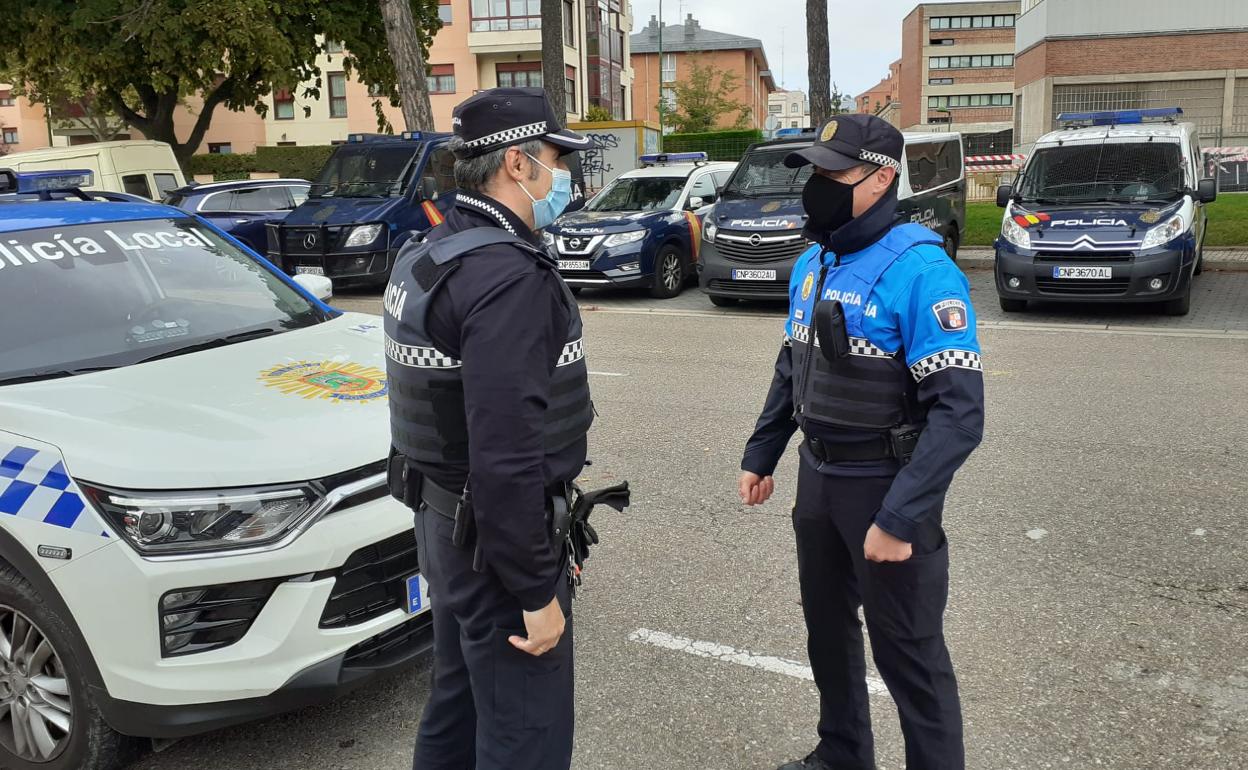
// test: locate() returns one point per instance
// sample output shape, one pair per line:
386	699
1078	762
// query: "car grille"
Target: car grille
582	275
1095	256
765	251
370	583
765	289
1080	287
409	638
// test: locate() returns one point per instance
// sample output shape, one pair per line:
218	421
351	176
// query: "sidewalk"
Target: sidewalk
1229	259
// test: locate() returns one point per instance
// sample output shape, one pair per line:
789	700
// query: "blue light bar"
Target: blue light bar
45	181
1120	117
662	158
413	135
792	131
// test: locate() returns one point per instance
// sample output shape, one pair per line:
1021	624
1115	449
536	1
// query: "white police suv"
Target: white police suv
194	524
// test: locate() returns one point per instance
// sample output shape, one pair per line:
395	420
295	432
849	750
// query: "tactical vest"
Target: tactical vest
870	389
428	423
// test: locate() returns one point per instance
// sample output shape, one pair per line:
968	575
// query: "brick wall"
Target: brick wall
977	114
972	36
1002	75
1131	55
645	91
913	37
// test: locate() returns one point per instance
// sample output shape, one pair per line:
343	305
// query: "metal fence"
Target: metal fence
1201	100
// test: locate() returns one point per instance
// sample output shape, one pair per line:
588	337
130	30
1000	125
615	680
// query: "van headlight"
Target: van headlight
166	523
710	231
621	239
1015	233
1165	232
362	235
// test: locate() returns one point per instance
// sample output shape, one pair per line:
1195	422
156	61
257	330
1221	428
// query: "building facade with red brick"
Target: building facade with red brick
957	72
1077	56
882	94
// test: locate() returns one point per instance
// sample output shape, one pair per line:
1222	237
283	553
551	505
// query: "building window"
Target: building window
335	47
442	79
6	99
775	109
795	109
9	136
669	98
970	62
569	24
617	46
525	74
337	95
283	105
942	41
444	12
669	67
970	100
569	87
502	15
793	124
971	22
292	144
940	81
220	148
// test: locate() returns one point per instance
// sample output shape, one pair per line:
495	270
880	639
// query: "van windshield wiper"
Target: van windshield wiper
216	342
52	374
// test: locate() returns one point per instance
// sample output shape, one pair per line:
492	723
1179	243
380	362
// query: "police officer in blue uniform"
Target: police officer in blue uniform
490	408
880	370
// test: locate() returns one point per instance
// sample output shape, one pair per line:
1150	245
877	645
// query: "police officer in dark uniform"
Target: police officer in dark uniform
490	409
880	370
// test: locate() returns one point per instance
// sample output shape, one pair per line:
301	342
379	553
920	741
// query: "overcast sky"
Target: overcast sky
864	35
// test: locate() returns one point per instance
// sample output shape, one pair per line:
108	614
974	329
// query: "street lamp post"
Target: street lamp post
662	99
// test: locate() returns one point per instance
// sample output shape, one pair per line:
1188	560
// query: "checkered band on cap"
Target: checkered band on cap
878	159
418	357
946	359
510	135
572	352
859	346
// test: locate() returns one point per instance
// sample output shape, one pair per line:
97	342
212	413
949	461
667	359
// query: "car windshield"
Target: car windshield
646	193
105	295
1111	172
367	170
763	173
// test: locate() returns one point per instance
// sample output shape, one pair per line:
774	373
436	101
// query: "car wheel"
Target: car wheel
669	273
48	719
723	301
1013	305
1179	305
951	243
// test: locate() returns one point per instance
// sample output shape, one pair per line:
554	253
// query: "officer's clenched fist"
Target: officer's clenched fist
755	489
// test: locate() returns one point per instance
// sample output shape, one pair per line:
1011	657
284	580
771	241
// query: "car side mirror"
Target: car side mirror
696	202
1004	193
317	285
1207	190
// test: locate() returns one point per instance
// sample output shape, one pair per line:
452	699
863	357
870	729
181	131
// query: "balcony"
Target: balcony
506	41
505	26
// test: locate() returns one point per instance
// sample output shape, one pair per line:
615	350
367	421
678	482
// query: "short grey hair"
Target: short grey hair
476	174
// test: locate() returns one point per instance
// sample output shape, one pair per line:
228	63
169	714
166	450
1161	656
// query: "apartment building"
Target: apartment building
1076	56
877	97
689	43
791	109
23	124
957	72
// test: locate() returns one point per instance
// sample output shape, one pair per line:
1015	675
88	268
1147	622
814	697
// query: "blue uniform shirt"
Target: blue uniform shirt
902	293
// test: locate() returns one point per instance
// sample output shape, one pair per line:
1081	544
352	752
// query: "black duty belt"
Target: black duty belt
875	448
439	499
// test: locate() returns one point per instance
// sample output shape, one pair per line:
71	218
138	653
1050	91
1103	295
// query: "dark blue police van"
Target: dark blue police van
1110	208
753	234
374	192
644	229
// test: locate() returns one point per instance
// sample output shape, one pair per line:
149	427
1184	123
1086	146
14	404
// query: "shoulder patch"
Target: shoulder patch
950	314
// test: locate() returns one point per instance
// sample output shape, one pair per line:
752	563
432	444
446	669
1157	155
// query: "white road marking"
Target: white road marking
609	374
722	652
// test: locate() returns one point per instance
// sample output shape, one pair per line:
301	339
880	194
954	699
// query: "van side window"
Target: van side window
932	164
136	184
441	169
704	186
165	183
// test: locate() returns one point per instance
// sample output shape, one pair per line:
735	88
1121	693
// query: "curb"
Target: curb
1211	263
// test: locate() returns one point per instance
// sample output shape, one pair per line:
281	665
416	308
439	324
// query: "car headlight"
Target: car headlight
162	523
620	239
362	235
1165	232
709	232
1015	233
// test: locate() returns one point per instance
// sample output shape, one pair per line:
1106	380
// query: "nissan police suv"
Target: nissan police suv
196	526
644	229
1109	209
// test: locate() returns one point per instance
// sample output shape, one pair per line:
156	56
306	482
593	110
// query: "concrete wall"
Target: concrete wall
1078	18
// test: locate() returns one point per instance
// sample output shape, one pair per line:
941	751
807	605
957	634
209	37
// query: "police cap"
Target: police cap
501	117
846	141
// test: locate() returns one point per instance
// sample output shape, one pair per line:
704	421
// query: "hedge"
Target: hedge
719	145
287	162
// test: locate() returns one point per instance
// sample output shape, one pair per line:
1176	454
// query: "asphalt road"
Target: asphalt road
1099	604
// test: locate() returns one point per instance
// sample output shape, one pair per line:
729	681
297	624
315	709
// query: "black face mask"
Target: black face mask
829	204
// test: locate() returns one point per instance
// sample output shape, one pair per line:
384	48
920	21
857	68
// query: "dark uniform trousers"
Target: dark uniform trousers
491	706
903	603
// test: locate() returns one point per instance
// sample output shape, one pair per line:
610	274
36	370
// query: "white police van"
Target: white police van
195	528
1109	209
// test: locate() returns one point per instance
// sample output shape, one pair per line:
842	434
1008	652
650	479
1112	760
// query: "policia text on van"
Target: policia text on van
1109	209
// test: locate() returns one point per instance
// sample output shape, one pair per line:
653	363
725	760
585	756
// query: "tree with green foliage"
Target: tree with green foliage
597	114
703	98
143	58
